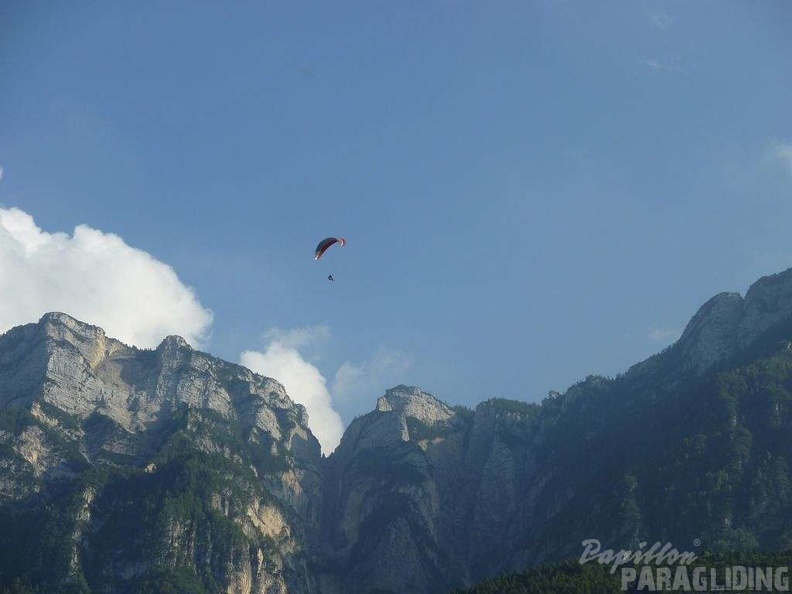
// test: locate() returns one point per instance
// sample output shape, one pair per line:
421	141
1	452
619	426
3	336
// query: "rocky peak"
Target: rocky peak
729	323
62	326
711	334
767	302
75	368
173	342
173	350
387	424
415	403
90	341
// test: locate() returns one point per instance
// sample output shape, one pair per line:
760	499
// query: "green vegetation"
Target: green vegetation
420	431
516	407
14	420
180	520
571	577
651	455
392	466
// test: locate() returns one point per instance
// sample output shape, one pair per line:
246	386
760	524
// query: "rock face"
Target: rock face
78	403
711	335
448	493
128	470
383	501
728	323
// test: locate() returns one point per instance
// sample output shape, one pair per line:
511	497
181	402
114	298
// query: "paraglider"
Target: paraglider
325	244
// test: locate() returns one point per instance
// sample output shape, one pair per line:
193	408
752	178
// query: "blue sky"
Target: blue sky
531	191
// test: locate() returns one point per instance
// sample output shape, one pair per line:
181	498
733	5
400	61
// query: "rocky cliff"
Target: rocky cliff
728	324
167	470
150	461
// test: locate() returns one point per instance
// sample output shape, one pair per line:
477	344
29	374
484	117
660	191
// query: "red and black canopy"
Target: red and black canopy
326	243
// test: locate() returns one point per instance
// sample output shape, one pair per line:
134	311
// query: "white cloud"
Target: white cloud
1	172
304	383
781	153
370	378
299	337
662	20
665	335
95	277
672	65
283	360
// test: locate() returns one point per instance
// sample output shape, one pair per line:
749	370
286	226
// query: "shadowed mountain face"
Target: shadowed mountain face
167	470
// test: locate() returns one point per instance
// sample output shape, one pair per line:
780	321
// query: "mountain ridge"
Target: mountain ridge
105	447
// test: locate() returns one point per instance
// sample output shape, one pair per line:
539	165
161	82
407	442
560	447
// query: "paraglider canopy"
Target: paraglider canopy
326	243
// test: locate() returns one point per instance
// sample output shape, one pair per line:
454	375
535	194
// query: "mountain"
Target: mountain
127	470
168	470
